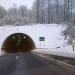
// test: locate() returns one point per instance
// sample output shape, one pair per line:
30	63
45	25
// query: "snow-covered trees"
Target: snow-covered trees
53	11
16	16
3	12
42	11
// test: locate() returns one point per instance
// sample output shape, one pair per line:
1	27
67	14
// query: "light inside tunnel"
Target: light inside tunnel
18	42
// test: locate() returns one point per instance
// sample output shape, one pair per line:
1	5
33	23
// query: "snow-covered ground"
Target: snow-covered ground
51	32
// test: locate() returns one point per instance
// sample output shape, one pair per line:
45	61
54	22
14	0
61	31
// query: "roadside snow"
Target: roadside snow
51	32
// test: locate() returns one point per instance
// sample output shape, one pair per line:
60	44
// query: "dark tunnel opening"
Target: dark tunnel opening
18	42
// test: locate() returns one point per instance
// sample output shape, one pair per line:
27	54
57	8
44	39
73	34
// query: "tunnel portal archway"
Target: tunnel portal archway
18	42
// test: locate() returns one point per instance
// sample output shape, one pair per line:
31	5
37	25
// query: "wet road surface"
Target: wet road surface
31	64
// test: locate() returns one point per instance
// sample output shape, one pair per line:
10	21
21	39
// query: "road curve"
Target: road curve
31	64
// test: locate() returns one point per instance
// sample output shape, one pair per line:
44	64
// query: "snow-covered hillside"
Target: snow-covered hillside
51	32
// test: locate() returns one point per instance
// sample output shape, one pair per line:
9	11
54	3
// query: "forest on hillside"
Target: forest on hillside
42	11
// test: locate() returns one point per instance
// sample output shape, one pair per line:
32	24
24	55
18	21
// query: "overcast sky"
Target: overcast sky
9	3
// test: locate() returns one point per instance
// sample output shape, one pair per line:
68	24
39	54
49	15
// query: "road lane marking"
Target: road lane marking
66	64
62	62
17	57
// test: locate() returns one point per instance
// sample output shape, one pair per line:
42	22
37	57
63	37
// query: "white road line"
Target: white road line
66	64
17	57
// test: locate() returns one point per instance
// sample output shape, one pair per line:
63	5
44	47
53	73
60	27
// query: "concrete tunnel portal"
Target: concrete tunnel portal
18	42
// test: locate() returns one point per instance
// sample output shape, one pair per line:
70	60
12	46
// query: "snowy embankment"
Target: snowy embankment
54	41
57	52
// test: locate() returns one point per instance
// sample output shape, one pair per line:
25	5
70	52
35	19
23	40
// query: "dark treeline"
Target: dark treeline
42	11
54	11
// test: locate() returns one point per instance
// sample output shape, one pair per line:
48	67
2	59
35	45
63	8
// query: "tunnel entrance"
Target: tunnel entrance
18	42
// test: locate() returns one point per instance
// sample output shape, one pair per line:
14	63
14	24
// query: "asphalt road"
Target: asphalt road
31	64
